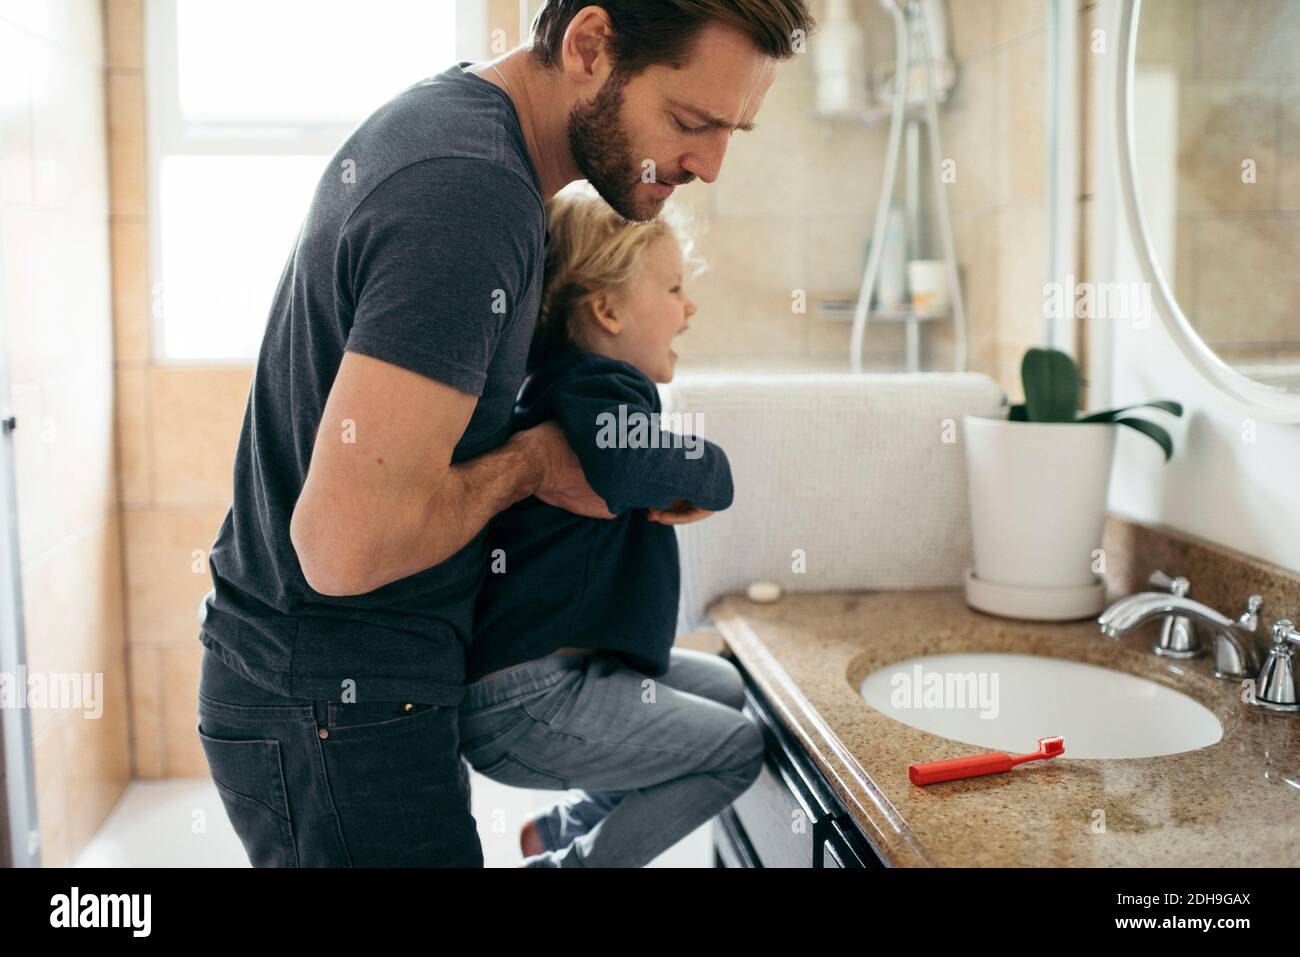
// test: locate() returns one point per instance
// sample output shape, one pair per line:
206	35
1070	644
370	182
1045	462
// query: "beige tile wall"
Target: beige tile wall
996	131
176	433
56	306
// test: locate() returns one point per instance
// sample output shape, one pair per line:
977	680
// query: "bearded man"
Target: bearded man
375	446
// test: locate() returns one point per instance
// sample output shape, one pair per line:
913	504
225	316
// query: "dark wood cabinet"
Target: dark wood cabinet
790	817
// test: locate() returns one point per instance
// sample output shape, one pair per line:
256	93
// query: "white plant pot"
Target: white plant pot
1038	494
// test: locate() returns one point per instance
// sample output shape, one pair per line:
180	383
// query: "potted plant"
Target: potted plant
1038	482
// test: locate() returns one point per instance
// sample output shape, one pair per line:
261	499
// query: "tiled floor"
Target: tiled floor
181	823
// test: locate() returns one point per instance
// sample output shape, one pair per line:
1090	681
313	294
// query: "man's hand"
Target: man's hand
681	513
563	483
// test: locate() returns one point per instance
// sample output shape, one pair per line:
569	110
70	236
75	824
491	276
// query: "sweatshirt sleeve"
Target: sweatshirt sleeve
612	424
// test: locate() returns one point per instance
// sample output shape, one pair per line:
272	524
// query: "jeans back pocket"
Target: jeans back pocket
250	780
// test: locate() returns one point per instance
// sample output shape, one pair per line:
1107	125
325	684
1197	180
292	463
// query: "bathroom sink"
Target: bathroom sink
1008	701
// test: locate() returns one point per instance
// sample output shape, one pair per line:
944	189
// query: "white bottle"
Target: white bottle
840	62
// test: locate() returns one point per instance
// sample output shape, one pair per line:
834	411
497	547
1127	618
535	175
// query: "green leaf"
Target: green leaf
1018	413
1051	381
1153	431
1111	415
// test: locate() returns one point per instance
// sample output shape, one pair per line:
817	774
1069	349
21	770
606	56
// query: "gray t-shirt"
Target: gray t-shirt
423	247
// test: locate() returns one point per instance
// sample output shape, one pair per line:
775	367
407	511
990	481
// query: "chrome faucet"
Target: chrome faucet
1178	637
1276	688
1234	651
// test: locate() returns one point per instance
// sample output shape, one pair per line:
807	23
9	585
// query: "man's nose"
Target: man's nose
706	163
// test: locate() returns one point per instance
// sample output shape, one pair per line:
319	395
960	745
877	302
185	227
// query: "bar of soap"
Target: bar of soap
764	593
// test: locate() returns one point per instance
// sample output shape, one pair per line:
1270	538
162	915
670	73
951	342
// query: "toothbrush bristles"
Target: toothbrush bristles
1052	746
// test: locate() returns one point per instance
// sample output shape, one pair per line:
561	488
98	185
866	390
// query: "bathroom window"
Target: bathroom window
247	100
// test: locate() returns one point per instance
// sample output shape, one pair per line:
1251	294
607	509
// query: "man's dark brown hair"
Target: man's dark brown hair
650	32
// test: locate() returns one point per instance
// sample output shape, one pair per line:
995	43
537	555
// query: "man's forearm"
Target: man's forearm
458	508
362	541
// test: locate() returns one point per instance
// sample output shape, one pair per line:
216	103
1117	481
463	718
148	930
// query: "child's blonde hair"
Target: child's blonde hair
593	248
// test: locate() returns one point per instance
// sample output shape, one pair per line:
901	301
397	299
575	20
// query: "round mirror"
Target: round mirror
1210	137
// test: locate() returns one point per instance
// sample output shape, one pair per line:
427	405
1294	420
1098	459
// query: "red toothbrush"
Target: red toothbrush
932	772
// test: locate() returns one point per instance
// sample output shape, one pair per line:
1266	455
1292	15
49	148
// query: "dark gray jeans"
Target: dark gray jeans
319	783
649	759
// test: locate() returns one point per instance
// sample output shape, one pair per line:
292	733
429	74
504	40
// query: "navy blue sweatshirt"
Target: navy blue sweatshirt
571	581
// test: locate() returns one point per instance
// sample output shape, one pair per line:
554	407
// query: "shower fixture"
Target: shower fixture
922	75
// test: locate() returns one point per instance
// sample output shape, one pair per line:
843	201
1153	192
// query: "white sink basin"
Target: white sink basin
1007	702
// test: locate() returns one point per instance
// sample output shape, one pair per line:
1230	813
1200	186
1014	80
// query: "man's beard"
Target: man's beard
603	154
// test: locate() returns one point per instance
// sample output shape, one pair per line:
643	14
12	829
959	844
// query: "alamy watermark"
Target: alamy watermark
1098	300
634	429
945	690
65	690
75	909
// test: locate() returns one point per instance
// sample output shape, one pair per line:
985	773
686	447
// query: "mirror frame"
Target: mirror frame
1270	402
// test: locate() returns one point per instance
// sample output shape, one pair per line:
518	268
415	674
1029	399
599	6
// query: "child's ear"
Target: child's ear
604	309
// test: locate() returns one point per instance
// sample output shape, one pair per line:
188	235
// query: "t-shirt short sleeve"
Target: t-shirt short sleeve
435	261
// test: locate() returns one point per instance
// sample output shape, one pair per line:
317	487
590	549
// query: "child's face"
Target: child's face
653	309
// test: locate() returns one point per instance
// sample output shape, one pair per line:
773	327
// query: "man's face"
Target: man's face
680	120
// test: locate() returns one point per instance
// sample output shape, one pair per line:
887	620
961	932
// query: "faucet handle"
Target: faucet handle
1250	617
1276	688
1283	631
1179	586
1178	637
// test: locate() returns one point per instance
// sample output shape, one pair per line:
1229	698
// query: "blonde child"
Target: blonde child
574	683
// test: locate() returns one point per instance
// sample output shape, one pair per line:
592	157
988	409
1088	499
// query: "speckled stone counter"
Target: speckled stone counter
1234	803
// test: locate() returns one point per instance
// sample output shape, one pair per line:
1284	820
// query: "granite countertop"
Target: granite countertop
1234	803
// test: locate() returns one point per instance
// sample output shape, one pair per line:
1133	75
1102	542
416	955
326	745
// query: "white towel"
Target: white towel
862	478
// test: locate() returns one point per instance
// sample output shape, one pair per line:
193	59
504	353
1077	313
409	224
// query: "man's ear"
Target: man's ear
604	310
584	51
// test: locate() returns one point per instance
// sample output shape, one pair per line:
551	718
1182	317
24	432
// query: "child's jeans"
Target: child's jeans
654	758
